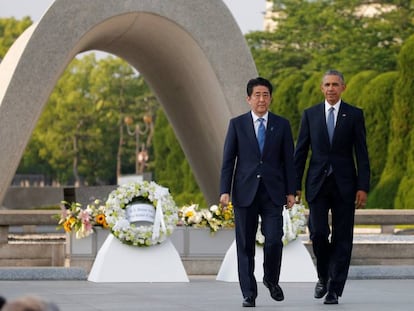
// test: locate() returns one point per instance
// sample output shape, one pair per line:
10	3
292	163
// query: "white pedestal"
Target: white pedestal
297	264
118	262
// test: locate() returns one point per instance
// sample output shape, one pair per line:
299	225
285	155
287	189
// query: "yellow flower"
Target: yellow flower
67	226
100	219
189	213
215	217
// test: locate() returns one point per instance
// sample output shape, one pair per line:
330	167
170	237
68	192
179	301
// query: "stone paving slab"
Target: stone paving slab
204	293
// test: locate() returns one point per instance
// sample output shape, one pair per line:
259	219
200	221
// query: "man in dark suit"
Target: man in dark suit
337	139
258	170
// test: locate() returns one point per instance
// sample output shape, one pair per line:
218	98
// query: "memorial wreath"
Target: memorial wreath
141	233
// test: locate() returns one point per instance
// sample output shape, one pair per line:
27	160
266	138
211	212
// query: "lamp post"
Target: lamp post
141	154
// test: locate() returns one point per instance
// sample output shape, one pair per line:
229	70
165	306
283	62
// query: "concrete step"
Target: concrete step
75	273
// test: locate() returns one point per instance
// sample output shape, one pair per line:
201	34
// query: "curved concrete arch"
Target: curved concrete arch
191	53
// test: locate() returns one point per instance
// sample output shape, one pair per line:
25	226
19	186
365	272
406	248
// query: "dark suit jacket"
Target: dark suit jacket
243	165
348	145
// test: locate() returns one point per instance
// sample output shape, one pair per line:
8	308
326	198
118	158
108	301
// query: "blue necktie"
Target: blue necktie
261	133
331	126
331	123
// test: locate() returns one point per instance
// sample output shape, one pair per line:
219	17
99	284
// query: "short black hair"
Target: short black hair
258	81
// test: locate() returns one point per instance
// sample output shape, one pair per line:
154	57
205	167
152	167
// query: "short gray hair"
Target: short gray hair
332	72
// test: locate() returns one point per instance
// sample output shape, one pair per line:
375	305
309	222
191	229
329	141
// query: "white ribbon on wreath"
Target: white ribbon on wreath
159	223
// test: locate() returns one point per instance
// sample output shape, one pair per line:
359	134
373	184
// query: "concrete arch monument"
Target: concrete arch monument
191	53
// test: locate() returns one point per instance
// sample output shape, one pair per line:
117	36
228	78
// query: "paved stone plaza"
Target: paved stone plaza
205	293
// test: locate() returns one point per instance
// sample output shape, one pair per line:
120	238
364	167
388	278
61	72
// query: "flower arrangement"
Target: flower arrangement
294	223
216	217
74	218
166	213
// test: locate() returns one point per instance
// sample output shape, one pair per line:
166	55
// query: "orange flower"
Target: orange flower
100	219
67	226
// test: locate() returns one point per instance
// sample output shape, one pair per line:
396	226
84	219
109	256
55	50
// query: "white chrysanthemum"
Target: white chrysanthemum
121	225
206	214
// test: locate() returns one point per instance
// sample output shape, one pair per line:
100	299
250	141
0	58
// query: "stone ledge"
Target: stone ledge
42	273
380	272
75	273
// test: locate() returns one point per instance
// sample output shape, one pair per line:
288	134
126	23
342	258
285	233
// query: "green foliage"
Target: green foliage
382	196
392	189
353	93
377	99
311	93
404	94
78	133
285	101
170	167
10	30
66	129
320	34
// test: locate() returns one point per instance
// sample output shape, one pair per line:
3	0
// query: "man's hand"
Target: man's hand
361	199
290	200
224	199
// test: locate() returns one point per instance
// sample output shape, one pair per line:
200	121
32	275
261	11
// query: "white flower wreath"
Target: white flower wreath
294	223
166	213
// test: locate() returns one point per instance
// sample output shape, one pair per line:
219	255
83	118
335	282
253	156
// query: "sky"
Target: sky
249	14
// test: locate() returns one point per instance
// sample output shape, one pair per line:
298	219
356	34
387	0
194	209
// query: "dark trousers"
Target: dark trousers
333	253
246	219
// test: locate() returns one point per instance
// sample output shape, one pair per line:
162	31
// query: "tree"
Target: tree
78	134
65	129
377	98
10	30
171	167
393	187
121	93
354	88
404	94
310	93
285	98
322	34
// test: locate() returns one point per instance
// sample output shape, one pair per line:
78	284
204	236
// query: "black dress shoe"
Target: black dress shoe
249	302
320	289
331	298
275	291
